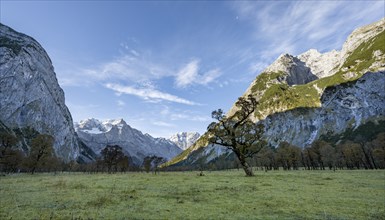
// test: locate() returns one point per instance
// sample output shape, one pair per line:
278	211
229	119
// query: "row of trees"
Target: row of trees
114	160
245	139
41	158
322	155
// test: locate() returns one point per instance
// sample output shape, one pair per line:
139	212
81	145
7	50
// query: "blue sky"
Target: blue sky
163	66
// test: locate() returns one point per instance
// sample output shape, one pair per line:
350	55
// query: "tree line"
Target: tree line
244	138
321	155
41	158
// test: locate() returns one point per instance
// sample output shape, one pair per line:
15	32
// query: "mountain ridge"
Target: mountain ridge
97	134
335	67
361	53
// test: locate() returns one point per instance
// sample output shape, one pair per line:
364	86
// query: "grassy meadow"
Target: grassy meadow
347	194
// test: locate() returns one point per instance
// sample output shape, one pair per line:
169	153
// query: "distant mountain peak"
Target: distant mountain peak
95	126
184	139
118	121
96	134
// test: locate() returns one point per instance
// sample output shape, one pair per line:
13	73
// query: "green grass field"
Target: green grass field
357	194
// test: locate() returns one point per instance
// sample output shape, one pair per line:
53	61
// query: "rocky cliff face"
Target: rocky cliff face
313	95
184	139
343	107
97	134
30	96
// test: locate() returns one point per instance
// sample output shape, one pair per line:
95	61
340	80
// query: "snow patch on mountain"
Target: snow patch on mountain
184	139
97	134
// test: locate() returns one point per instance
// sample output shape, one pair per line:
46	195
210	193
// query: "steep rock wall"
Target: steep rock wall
30	95
344	106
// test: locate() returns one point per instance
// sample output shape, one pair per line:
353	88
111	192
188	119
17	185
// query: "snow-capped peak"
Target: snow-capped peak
119	123
96	134
94	126
184	139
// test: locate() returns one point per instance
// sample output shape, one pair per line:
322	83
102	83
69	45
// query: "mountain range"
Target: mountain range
304	98
97	134
314	96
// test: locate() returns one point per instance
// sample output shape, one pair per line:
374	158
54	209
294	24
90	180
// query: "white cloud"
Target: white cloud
149	94
189	75
131	65
135	66
209	76
293	27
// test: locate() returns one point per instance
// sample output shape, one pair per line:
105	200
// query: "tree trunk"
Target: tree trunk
248	170
242	160
246	167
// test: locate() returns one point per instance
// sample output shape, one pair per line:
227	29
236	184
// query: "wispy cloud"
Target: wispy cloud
190	75
135	67
130	66
293	27
149	94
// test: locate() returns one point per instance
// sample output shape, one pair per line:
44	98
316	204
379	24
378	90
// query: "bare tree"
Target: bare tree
237	132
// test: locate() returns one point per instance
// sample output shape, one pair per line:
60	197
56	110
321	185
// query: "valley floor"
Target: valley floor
346	194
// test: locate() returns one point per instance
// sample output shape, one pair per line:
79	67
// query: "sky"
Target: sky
164	66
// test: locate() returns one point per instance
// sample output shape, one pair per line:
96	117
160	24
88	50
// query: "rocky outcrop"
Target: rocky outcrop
344	106
294	71
30	96
321	64
97	134
184	139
